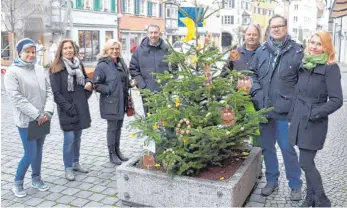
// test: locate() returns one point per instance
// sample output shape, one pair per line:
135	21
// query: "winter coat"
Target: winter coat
311	107
73	107
30	93
149	59
273	84
111	80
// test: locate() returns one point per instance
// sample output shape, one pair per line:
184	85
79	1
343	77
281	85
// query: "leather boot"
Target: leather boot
309	199
113	155
322	201
119	154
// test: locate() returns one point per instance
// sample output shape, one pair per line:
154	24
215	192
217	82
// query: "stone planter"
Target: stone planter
138	187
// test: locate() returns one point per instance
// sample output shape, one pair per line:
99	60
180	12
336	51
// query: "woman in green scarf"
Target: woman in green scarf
319	94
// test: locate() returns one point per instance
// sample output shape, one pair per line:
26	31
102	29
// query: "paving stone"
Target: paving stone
6	203
97	197
109	200
53	196
109	191
83	194
65	199
61	205
33	202
41	194
97	189
70	191
57	188
94	204
85	186
73	184
47	204
61	181
113	184
79	202
90	179
254	204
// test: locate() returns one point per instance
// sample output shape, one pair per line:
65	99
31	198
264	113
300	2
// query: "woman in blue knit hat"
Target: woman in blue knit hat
28	87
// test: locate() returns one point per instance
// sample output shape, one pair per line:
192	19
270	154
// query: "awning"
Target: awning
339	9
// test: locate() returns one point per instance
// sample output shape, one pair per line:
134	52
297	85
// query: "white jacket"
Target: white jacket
30	92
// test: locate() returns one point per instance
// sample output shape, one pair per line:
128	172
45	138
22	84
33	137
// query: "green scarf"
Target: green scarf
311	61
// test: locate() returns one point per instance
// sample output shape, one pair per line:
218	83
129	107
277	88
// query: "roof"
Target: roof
339	9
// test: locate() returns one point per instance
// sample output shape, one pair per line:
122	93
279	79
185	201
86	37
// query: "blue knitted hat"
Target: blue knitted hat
24	44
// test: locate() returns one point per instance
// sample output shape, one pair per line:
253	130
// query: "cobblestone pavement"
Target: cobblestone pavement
331	163
95	189
98	187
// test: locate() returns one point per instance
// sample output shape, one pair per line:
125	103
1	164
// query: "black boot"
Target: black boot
113	155
119	154
322	201
309	199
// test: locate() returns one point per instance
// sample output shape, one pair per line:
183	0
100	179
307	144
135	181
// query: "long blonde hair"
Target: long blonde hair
108	45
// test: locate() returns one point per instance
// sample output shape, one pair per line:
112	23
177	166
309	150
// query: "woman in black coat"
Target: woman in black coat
111	80
71	88
319	94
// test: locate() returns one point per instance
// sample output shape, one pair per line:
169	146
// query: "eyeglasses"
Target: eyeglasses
277	27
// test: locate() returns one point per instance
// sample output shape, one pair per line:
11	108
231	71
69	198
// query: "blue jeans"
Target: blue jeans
32	156
71	149
277	130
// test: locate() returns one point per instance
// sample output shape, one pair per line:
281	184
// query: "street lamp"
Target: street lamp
119	17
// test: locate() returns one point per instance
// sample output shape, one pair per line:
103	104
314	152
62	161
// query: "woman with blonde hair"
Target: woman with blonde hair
71	88
111	80
318	94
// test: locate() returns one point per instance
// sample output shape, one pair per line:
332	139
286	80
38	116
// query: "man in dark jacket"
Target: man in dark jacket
246	52
149	58
275	65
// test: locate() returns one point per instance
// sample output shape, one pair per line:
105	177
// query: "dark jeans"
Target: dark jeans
114	129
277	131
32	155
313	179
71	148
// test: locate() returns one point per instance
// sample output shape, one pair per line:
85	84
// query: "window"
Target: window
87	4
230	4
105	5
269	12
259	10
126	6
171	13
246	20
89	44
124	44
249	7
142	7
149	8
154	10
160	10
79	4
255	10
295	30
243	6
295	19
264	11
97	5
108	35
113	6
228	20
296	7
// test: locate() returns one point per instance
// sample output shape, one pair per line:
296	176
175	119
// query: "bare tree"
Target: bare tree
15	13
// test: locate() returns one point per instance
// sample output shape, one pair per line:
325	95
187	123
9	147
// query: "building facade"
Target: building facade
262	12
302	19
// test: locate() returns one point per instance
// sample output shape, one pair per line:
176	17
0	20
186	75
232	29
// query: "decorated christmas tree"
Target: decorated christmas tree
198	119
